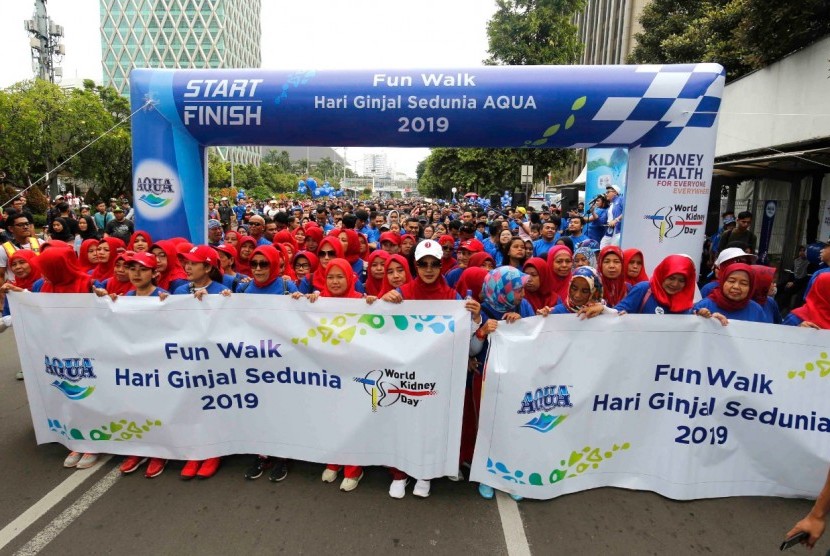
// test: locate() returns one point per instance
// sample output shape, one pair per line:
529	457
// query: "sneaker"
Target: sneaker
155	467
208	468
279	472
87	461
131	463
190	469
516	497
260	464
457	477
19	375
72	459
329	475
486	491
349	485
421	489
398	488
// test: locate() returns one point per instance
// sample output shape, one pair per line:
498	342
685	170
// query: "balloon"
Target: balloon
312	183
814	252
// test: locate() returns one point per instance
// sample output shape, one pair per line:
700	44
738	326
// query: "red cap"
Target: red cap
393	237
125	256
202	254
446	239
472	245
227	249
144	259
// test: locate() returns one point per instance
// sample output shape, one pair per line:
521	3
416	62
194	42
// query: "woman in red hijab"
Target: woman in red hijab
634	264
670	291
108	249
815	313
732	299
299	237
140	241
539	288
171	275
23	264
376	272
612	273
395	274
330	248
764	276
232	239
313	237
561	263
88	255
286	254
471	282
448	262
304	263
483	260
119	283
352	251
284	236
247	244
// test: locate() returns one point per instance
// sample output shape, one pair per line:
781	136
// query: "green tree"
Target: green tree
279	159
219	171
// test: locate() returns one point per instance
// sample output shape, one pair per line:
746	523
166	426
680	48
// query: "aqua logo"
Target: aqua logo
72	369
157	188
389	386
73	391
545	399
544	422
155	202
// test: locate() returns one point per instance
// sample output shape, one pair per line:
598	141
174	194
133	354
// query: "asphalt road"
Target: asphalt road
110	514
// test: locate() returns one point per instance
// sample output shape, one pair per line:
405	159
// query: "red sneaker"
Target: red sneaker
190	469
209	468
131	463
155	467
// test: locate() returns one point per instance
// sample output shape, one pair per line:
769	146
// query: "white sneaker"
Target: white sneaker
398	488
19	375
349	485
329	476
457	477
421	488
72	459
87	461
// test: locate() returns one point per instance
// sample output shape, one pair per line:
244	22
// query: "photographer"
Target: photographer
597	218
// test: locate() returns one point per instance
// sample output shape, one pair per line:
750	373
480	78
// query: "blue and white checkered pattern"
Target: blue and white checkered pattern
652	113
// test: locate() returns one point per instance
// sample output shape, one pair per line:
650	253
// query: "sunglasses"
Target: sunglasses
260	264
427	264
255	224
327	254
447	247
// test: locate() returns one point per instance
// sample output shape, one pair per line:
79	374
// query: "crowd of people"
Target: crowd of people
503	265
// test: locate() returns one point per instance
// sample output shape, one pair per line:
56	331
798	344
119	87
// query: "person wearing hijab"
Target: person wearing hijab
584	293
634	264
352	252
313	237
299	238
86	230
390	242
585	256
560	262
171	275
140	241
304	263
27	277
247	244
286	254
232	279
377	270
428	285
670	290
732	299
284	236
448	262
88	255
108	249
484	260
539	286
567	242
59	230
764	276
395	274
62	274
119	283
266	273
612	274
330	248
232	239
815	313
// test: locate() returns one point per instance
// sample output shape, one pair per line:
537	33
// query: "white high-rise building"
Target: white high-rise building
375	165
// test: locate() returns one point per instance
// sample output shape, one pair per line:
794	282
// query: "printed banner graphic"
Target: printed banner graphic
337	381
677	405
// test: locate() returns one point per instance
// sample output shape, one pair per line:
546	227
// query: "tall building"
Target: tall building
607	28
179	34
375	165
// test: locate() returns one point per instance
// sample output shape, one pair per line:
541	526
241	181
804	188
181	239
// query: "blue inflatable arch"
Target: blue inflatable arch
666	115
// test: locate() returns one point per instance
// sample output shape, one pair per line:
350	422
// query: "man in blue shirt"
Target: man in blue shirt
575	229
549	238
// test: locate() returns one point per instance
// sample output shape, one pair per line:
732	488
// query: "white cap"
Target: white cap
427	248
733	253
614	187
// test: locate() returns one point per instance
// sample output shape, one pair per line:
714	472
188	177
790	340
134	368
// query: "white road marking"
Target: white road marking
512	526
36	511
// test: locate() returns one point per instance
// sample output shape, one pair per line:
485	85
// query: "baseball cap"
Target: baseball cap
125	256
391	237
223	199
227	249
144	258
522	210
428	248
614	187
472	245
729	220
202	254
733	253
117	209
446	239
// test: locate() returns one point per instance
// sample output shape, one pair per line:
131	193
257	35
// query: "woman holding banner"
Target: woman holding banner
815	313
732	299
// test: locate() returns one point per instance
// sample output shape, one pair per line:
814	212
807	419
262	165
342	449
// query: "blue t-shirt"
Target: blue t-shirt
212	287
640	301
792	320
234	283
813	279
709	288
596	228
560	309
154	293
279	286
771	311
750	313
306	285
453	276
541	247
177	283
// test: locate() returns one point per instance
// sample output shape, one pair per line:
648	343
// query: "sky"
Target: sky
308	34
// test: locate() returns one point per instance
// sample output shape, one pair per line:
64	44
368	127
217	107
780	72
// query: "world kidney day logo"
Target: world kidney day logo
157	189
388	387
676	220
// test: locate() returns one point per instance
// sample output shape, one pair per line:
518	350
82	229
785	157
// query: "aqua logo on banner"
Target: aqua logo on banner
70	370
157	189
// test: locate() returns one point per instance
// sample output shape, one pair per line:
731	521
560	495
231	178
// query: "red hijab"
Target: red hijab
763	281
312	259
174	270
274	257
104	270
472	280
401	260
613	290
286	256
448	262
83	255
319	277
816	308
284	236
477	259
232	233
674	264
353	249
142	233
34	274
243	266
372	284
418	289
629	254
351	279
300	244
62	273
720	298
116	286
559	285
314	232
544	296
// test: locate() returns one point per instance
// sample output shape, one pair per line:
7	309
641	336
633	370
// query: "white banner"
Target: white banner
337	381
677	405
825	222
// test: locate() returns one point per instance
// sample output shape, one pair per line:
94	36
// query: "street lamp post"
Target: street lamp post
454	191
